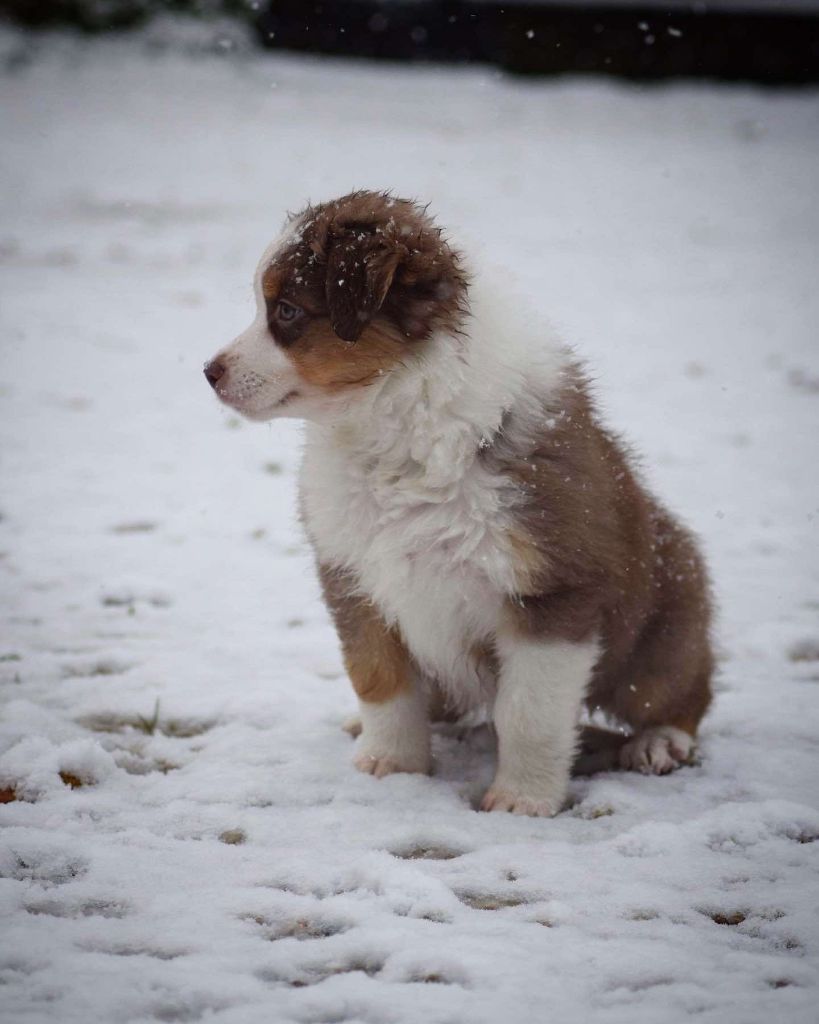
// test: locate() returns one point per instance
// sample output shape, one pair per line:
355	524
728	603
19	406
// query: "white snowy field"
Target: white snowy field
185	838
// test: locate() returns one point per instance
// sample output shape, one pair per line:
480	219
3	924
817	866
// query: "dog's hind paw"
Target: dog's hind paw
657	751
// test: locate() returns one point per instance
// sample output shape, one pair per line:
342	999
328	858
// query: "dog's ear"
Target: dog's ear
360	269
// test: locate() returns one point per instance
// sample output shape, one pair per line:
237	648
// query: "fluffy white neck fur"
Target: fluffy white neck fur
424	423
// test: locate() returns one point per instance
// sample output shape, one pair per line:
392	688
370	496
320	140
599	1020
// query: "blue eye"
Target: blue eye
286	311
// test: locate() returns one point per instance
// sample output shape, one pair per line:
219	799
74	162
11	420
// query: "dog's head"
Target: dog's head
348	288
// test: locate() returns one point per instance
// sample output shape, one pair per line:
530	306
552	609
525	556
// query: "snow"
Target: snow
189	841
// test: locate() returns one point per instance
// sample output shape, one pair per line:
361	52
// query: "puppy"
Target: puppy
481	539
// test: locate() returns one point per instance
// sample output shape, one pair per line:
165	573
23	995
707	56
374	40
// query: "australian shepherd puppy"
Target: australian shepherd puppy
481	539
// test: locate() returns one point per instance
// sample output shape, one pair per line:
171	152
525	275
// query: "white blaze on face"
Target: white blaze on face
260	380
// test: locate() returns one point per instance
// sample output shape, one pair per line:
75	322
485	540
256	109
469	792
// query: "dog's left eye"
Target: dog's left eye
287	312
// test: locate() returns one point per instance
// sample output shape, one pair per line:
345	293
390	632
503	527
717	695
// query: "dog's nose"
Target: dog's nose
214	371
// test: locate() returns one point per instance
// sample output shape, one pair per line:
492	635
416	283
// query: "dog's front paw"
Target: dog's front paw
379	763
372	764
394	736
499	798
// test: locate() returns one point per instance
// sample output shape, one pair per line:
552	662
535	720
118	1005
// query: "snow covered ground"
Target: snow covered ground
188	840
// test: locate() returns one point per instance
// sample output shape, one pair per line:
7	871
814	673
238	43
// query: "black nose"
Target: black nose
214	371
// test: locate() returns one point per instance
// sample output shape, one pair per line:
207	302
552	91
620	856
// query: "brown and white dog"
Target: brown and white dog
481	539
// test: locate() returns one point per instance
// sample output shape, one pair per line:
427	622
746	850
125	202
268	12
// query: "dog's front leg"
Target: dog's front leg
540	688
394	734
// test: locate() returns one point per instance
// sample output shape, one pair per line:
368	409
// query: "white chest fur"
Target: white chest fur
394	489
435	561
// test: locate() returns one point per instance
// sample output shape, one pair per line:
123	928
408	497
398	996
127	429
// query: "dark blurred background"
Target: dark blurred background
770	41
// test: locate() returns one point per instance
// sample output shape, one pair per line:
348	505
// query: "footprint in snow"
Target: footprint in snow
317	971
490	901
100	667
111	909
301	928
423	851
135	526
177	728
46	867
804	651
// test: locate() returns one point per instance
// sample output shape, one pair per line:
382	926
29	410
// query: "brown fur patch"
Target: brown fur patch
326	361
529	560
598	555
375	658
364	259
273	278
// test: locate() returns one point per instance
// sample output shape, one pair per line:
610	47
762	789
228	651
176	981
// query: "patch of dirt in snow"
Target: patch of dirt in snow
183	835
